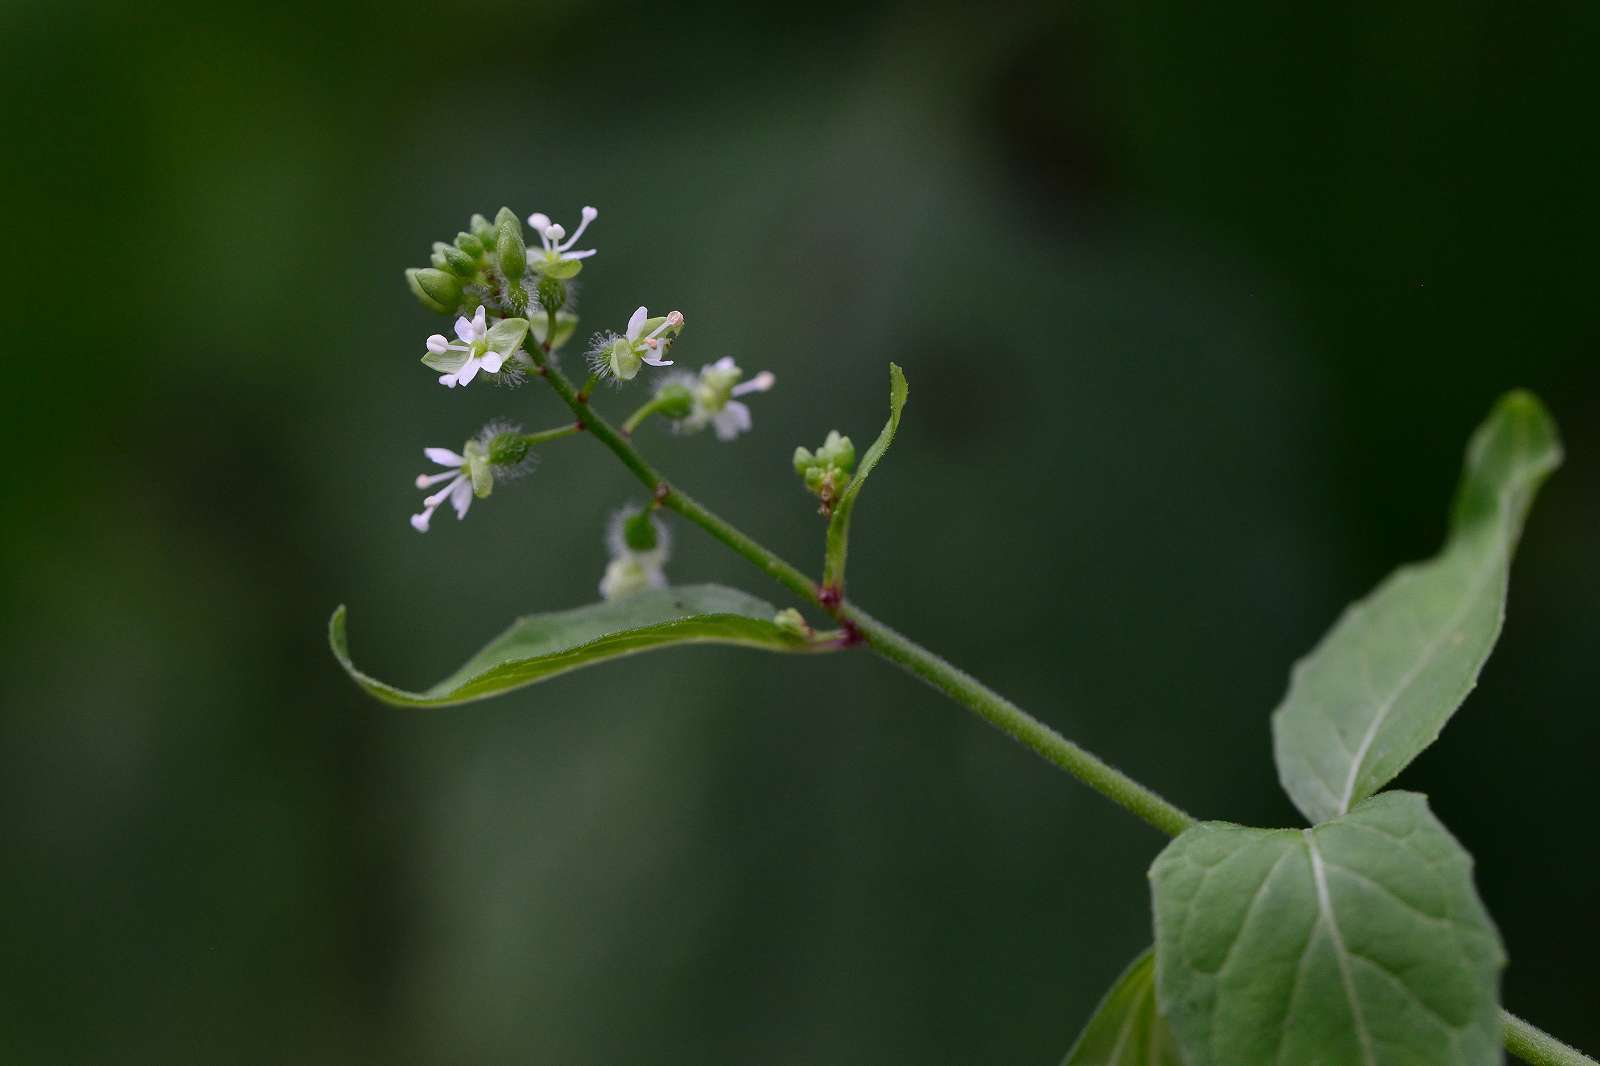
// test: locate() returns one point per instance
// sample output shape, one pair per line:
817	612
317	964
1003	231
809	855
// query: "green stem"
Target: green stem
544	435
1531	1044
632	422
1016	723
1522	1039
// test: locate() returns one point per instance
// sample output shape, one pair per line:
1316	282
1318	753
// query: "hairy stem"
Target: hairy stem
1531	1044
1522	1039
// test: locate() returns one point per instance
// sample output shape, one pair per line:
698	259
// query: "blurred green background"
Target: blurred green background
1198	309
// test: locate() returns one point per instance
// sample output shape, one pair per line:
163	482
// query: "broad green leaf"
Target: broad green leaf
543	645
1358	943
1127	1029
1381	685
839	525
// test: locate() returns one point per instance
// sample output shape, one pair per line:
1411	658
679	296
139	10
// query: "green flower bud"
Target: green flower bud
803	461
437	257
675	400
469	244
504	215
552	293
826	471
510	251
484	230
639	532
458	262
437	290
793	621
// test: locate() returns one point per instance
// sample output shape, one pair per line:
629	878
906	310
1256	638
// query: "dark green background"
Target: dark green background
1197	308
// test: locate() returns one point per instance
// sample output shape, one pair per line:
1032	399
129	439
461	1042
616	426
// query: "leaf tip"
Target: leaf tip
336	636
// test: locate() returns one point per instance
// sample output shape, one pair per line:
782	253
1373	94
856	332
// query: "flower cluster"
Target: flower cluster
508	282
826	471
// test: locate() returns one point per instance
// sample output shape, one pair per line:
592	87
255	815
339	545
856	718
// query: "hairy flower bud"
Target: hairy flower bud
510	252
437	290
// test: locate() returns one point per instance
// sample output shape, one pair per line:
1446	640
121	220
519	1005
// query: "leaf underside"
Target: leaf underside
1126	1029
838	545
539	646
1381	685
1359	942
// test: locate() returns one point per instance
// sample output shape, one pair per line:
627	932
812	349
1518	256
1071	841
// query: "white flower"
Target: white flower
633	570
478	346
714	397
621	357
458	490
556	258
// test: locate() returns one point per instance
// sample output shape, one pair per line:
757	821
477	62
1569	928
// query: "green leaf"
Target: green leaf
1127	1029
839	526
1381	685
544	645
1359	942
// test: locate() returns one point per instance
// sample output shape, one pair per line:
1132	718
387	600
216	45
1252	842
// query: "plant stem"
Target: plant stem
953	682
1522	1039
1531	1044
1016	723
633	421
544	435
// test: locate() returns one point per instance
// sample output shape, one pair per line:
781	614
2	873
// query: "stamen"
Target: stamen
425	480
589	215
419	522
760	383
437	344
553	235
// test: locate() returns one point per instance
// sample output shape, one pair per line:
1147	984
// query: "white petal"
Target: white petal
464	329
653	356
636	324
469	369
461	497
443	456
480	324
437	344
492	361
731	421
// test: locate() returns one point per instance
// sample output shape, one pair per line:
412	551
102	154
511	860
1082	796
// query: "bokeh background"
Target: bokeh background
1198	308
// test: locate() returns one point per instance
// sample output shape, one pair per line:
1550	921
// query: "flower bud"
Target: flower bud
509	249
504	215
639	532
484	230
826	471
469	244
458	262
437	290
793	621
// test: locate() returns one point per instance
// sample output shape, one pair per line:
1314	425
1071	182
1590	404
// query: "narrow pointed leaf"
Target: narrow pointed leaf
544	645
1361	942
1126	1028
1381	685
839	525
